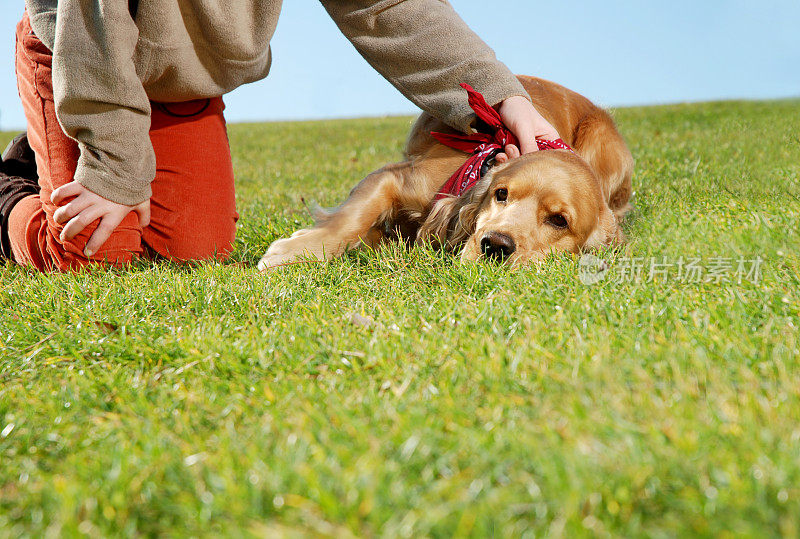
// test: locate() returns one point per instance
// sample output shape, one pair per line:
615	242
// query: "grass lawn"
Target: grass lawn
403	393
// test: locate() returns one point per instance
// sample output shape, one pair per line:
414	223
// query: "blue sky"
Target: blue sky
616	53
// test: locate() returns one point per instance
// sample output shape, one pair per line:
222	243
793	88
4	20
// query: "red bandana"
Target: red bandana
482	145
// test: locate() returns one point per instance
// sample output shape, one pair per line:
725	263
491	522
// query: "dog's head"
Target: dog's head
542	202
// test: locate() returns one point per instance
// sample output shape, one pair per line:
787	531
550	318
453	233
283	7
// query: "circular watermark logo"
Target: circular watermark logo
591	269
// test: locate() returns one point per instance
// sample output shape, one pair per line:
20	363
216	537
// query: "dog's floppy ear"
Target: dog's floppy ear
452	220
607	233
436	225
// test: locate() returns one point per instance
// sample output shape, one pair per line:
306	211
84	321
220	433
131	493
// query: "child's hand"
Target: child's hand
522	118
86	208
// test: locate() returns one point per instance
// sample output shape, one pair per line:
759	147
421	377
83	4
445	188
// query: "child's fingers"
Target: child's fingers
143	210
512	151
68	211
527	141
70	189
103	231
79	222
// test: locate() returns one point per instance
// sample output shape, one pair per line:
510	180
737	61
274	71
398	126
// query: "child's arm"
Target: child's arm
426	50
100	102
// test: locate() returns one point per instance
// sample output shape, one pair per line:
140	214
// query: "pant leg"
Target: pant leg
192	209
193	214
33	233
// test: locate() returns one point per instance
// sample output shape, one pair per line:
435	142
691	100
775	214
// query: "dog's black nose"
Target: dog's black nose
497	246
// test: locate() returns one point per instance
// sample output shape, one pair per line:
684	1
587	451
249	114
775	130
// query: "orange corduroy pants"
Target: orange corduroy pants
193	213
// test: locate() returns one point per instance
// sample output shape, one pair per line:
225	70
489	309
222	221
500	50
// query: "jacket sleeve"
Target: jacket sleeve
100	101
425	50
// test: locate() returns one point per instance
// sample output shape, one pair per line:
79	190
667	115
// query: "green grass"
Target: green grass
404	393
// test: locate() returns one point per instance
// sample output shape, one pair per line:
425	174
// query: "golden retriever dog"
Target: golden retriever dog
518	212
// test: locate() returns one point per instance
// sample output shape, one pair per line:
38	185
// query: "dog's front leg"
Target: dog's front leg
342	228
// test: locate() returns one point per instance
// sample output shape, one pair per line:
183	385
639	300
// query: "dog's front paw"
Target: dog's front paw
280	252
288	250
268	261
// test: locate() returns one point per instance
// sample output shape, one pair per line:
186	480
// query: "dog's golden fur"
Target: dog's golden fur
555	201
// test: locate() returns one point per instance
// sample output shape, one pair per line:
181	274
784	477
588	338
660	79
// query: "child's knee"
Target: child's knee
36	240
124	244
206	241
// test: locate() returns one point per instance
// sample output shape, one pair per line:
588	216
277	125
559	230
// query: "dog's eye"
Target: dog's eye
501	195
556	221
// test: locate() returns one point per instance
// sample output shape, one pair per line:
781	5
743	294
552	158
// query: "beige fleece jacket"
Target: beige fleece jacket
107	67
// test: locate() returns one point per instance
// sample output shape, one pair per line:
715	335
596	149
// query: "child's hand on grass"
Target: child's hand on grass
86	208
522	118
